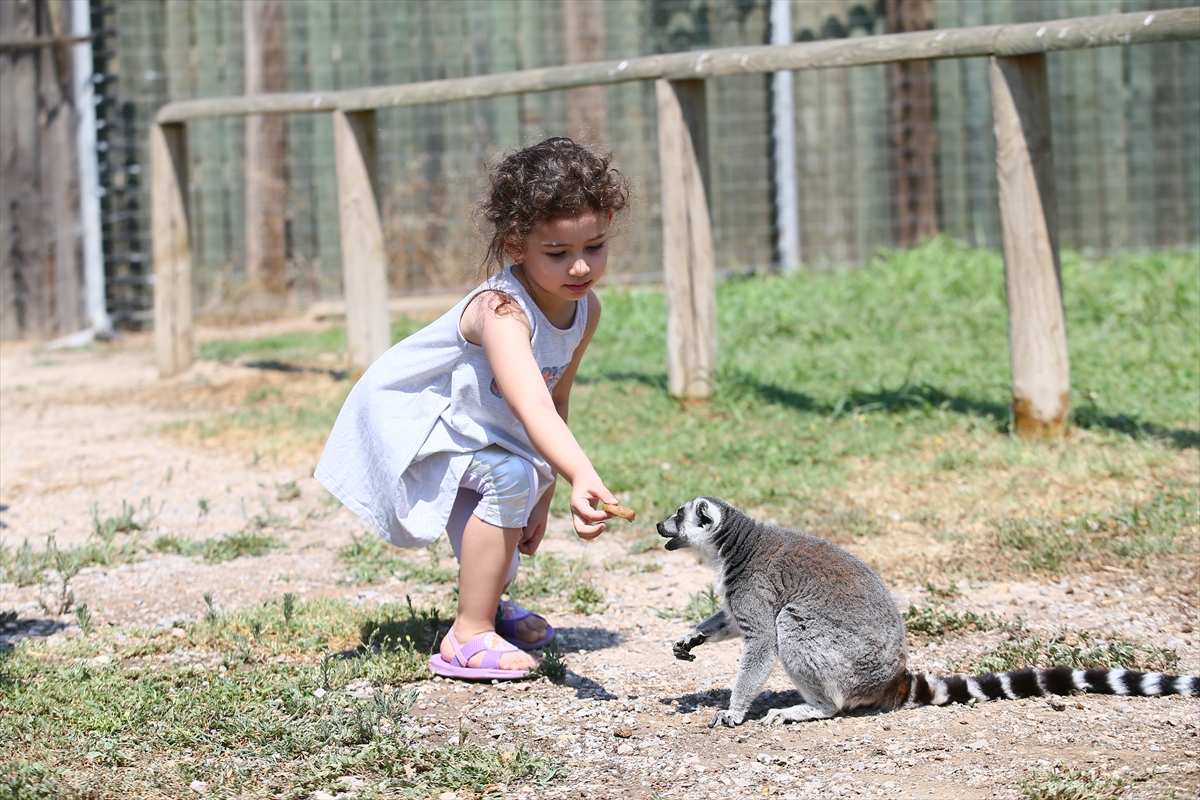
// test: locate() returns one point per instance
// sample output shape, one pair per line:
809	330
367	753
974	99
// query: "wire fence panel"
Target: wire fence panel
884	156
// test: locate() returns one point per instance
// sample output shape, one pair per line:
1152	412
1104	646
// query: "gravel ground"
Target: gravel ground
85	430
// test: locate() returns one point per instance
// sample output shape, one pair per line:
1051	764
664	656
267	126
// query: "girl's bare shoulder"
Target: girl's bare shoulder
489	308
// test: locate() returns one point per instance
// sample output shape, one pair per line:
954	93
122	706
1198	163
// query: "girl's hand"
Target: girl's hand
589	521
531	536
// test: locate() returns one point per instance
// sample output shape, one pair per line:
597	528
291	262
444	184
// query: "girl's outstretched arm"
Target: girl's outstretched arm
503	331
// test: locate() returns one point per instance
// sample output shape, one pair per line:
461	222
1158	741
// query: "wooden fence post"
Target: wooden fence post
364	268
688	270
1037	333
172	249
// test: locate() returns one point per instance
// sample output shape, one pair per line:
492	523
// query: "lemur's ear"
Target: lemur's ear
702	513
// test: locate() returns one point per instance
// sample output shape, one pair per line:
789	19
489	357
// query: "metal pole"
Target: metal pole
89	171
783	137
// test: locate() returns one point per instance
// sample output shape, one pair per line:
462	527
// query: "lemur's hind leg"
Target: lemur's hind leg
717	628
801	712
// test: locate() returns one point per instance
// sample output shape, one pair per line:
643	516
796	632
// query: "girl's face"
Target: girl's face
563	259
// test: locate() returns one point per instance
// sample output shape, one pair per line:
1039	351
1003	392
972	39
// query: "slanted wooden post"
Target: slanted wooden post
1037	333
364	268
688	271
172	249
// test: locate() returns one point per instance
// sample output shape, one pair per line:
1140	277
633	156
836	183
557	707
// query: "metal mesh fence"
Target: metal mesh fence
1126	131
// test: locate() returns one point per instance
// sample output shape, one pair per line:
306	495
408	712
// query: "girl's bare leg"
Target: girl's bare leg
483	569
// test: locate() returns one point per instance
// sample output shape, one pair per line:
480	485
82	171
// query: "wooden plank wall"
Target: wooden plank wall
1127	149
41	264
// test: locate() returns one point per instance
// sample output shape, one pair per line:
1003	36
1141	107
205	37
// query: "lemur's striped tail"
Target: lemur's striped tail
1028	682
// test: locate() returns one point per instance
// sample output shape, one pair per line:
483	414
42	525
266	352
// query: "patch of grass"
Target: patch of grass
216	551
1041	545
587	600
548	578
23	566
287	491
895	373
702	605
238	545
1132	532
934	623
295	348
22	780
1083	651
297	701
1063	783
645	544
553	665
367	558
949	590
125	522
819	373
113	540
262	393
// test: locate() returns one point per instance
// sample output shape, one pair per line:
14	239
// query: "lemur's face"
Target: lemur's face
693	525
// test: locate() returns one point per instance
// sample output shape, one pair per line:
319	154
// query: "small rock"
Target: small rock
199	787
624	749
178	633
622	731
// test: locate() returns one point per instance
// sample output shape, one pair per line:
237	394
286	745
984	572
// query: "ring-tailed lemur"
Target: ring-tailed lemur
828	617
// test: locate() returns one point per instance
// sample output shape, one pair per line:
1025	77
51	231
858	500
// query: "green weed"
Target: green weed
367	558
702	605
587	599
645	544
1062	783
553	665
935	622
237	545
125	522
287	491
273	718
24	566
820	372
1085	652
548	578
1131	531
949	590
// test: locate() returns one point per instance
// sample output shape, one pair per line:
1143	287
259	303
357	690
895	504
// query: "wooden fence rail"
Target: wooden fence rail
1024	155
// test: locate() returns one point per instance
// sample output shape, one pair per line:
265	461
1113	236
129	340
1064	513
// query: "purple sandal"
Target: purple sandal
493	648
507	617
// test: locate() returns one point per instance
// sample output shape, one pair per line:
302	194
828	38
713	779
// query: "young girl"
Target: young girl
463	425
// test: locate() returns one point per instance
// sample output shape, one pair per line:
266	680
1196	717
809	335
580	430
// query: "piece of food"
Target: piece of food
619	511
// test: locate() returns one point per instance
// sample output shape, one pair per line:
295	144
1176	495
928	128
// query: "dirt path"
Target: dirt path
82	433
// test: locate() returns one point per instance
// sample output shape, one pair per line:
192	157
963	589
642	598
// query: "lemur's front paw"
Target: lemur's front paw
726	718
683	647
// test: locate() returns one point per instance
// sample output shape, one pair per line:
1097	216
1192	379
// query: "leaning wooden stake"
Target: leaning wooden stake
1041	378
688	272
364	268
171	248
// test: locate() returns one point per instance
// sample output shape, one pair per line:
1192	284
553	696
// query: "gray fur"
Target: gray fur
828	617
796	598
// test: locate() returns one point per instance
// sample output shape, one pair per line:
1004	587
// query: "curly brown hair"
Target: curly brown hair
545	182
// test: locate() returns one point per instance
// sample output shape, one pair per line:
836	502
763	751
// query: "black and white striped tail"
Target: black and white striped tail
1028	682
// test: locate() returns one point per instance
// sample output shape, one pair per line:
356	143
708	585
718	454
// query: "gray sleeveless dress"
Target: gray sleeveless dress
406	433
